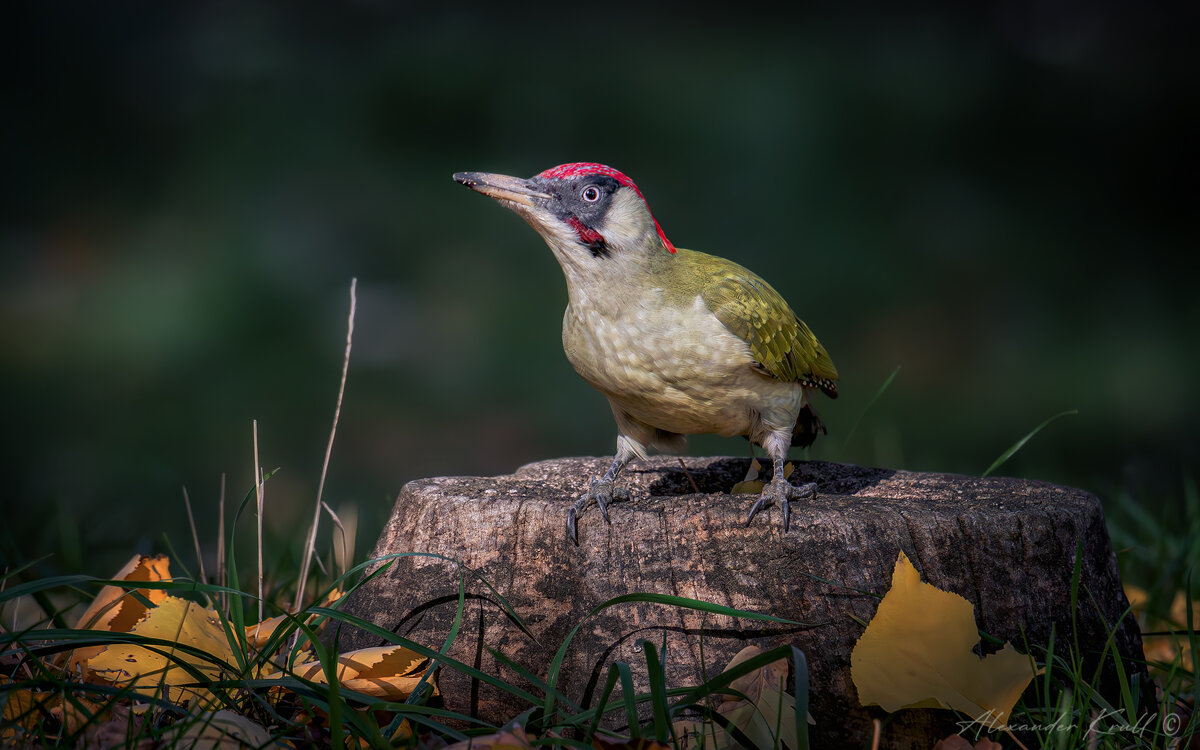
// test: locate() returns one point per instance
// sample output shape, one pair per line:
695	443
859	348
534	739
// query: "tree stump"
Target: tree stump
1006	545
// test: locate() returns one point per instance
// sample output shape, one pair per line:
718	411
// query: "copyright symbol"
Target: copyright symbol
1171	724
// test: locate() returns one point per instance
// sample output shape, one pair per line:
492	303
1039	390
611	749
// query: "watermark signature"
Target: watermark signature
1104	723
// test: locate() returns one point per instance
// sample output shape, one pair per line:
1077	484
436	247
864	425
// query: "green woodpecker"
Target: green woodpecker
680	342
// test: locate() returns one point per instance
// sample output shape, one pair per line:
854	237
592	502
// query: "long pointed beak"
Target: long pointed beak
502	187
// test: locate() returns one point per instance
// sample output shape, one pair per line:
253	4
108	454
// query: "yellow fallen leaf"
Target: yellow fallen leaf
1179	619
259	634
752	485
115	610
383	672
21	713
1163	652
917	653
177	620
749	487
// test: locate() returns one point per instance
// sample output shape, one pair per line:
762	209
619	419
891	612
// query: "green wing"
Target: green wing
782	345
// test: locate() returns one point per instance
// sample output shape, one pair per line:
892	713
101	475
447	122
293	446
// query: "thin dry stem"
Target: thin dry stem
16	602
187	503
695	488
340	527
221	573
337	411
258	488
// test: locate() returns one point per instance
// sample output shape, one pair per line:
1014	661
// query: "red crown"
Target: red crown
584	168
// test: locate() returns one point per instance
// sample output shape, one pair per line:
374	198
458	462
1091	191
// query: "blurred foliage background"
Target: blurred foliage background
991	196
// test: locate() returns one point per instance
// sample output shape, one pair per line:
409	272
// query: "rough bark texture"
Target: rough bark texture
1006	545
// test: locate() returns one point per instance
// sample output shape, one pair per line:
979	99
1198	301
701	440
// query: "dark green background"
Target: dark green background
995	198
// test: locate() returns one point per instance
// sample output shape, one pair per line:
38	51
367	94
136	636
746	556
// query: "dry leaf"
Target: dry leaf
752	485
259	634
917	653
768	707
383	672
513	738
219	730
25	710
115	610
1164	649
176	620
77	713
770	677
124	729
21	713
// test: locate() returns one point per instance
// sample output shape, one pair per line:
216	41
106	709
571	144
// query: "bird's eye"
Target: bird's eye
591	194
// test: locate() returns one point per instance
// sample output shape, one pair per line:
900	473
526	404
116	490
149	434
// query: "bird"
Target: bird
680	342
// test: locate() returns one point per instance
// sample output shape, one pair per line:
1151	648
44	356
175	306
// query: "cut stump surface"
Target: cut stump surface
1007	545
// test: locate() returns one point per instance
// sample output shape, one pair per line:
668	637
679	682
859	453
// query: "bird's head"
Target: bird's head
587	213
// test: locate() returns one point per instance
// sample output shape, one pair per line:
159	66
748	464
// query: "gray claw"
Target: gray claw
781	491
572	533
603	492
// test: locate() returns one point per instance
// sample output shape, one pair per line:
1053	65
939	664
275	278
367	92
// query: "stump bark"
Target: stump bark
1007	545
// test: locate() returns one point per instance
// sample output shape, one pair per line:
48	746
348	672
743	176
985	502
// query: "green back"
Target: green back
782	345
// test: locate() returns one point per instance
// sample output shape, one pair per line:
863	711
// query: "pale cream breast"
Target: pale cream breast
676	368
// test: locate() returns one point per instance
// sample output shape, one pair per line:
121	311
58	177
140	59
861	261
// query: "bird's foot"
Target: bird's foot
780	490
602	492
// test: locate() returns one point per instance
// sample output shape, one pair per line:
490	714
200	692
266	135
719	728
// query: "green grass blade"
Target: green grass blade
610	682
1194	641
618	670
428	653
13	573
1021	443
1049	668
867	408
658	698
44	584
508	608
454	628
532	679
1076	572
718	684
629	699
800	691
719	719
677	601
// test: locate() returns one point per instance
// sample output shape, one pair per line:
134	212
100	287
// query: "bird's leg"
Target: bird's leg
601	489
780	490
